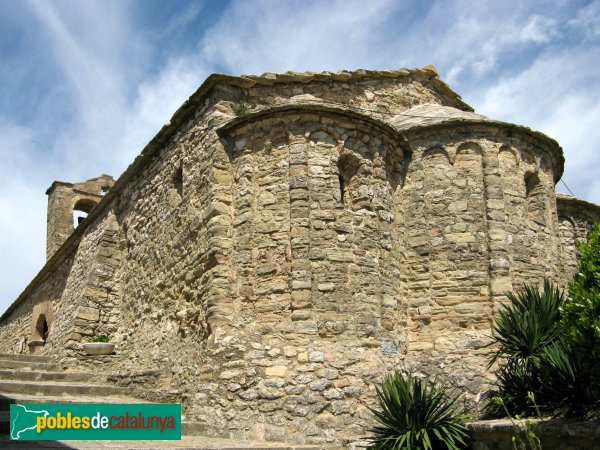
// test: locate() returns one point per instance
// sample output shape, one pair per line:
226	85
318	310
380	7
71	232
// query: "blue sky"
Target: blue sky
84	85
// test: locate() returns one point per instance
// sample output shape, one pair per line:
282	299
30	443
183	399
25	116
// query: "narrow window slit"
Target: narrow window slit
342	188
178	180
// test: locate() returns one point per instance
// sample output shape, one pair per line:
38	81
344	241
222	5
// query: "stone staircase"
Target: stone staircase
37	379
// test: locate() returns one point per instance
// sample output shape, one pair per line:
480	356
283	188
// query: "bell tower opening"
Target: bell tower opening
81	210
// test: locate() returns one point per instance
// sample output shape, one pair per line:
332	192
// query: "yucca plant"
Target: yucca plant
528	324
567	383
414	414
525	328
514	380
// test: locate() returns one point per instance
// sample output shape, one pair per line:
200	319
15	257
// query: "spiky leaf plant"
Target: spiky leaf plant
524	329
528	324
514	380
568	386
415	414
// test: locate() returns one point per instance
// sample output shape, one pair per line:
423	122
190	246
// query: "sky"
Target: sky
84	85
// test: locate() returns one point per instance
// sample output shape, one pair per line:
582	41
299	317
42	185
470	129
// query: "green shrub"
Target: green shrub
414	414
240	108
101	338
550	345
514	379
581	311
580	325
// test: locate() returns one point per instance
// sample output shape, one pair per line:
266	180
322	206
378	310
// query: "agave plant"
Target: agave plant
415	414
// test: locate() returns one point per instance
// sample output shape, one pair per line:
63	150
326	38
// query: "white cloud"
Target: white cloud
256	37
156	101
23	207
539	30
558	96
587	20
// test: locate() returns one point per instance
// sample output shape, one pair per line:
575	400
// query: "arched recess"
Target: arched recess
42	328
348	166
470	240
507	159
81	209
435	155
41	325
535	198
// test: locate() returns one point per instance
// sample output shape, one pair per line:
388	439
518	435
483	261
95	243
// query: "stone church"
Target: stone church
288	238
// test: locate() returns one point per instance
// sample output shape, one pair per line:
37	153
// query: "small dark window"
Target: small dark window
103	190
347	168
178	180
532	181
342	188
41	327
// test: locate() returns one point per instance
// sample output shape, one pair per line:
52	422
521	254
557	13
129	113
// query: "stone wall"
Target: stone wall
555	434
267	270
575	219
19	327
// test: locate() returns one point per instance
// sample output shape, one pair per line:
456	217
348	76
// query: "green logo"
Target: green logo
86	421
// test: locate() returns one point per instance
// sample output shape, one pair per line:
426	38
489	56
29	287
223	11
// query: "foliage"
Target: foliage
550	346
526	327
240	108
514	379
580	325
526	439
567	386
101	338
415	414
581	312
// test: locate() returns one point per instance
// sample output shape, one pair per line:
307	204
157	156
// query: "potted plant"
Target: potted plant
100	345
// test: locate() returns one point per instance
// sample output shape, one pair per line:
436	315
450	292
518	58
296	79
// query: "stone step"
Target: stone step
40	375
10	387
6	400
23	357
27	365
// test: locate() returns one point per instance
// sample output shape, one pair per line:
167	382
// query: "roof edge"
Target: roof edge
309	107
564	198
537	135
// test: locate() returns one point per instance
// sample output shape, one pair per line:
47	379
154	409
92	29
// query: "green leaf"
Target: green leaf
419	414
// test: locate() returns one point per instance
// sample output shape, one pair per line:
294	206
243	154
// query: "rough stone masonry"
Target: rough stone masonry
288	238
